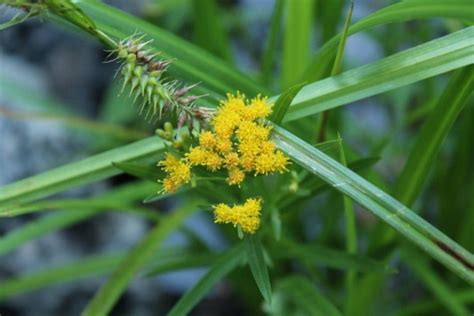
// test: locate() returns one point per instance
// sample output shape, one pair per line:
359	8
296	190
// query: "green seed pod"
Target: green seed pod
160	133
168	127
131	58
122	53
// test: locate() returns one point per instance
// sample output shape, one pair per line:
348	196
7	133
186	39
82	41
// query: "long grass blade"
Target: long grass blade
223	266
256	260
80	269
382	205
398	12
111	291
434	131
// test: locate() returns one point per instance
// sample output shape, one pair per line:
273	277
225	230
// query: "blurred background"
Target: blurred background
55	88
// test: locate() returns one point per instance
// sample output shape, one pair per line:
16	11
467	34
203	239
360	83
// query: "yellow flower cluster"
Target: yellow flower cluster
178	170
247	215
239	141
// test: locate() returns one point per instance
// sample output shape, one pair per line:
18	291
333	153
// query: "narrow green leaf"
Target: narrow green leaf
424	61
88	170
351	232
328	257
398	12
337	66
111	291
223	266
207	25
182	261
433	133
83	268
307	297
191	63
430	307
296	41
271	41
144	171
432	282
282	104
336	70
72	204
256	260
400	217
41	226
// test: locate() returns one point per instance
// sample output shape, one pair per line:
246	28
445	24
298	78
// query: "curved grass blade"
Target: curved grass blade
432	282
183	261
406	222
88	170
191	63
256	260
271	41
83	268
431	136
296	41
430	59
223	266
42	226
399	12
111	291
328	257
307	297
282	104
336	69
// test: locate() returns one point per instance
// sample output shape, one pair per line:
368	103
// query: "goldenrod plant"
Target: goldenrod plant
261	152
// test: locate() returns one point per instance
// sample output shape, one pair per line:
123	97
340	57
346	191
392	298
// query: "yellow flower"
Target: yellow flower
199	156
258	108
207	140
236	176
178	172
231	159
247	215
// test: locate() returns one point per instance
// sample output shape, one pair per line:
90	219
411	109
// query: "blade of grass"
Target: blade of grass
336	70
41	226
433	133
328	257
404	220
432	306
282	104
83	268
180	262
88	170
268	56
111	291
351	233
307	296
191	63
299	22
433	283
256	260
223	266
399	12
430	59
207	25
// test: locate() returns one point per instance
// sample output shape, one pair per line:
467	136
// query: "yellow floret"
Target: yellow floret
199	156
178	172
231	160
258	108
236	176
207	139
247	216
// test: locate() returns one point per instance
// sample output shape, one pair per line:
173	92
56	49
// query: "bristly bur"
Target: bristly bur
143	74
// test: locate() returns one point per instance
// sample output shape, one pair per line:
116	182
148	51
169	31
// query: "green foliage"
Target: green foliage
290	261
